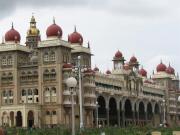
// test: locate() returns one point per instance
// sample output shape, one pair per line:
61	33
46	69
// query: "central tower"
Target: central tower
33	34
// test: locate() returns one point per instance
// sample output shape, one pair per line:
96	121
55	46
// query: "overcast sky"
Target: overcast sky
148	29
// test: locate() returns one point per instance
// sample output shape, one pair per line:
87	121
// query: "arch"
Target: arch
149	111
113	120
156	114
35	91
19	119
23	92
102	110
30	118
128	109
141	111
12	118
29	92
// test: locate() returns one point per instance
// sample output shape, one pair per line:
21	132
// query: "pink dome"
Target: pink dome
54	30
96	69
108	72
143	72
133	59
75	38
170	70
118	54
67	65
12	35
161	67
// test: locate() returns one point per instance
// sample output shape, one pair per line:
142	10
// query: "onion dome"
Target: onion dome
67	65
12	35
126	66
143	72
133	59
96	69
170	70
118	54
108	72
161	67
89	70
75	38
54	30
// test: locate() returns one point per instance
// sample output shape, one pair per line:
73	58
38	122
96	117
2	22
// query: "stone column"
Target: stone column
134	119
107	116
123	118
118	116
146	118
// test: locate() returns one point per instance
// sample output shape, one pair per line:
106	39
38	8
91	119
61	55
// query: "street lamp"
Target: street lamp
71	84
79	68
97	117
164	116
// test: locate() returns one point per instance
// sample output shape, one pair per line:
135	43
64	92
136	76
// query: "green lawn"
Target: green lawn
108	131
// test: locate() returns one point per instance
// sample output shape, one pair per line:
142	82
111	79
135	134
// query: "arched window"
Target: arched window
29	92
53	91
4	61
46	57
4	94
10	93
47	113
53	112
9	61
35	91
52	56
23	92
53	71
46	72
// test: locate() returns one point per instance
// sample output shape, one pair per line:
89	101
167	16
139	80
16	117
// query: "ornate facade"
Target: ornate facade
34	92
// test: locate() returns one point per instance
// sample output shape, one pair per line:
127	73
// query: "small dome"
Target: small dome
89	70
96	69
133	59
108	72
143	72
170	70
12	35
67	65
118	54
161	67
75	38
54	31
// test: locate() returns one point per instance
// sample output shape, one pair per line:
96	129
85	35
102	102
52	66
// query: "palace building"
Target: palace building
34	91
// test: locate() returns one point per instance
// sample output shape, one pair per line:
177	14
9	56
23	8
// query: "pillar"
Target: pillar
134	121
146	117
118	116
123	118
107	113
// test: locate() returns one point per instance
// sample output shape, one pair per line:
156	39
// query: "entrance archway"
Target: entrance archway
19	119
12	119
102	111
128	112
149	111
30	119
141	111
113	120
157	115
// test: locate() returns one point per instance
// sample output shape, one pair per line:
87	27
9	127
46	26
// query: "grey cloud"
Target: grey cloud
142	8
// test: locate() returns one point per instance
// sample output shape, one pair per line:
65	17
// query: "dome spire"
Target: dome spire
12	25
74	28
54	21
